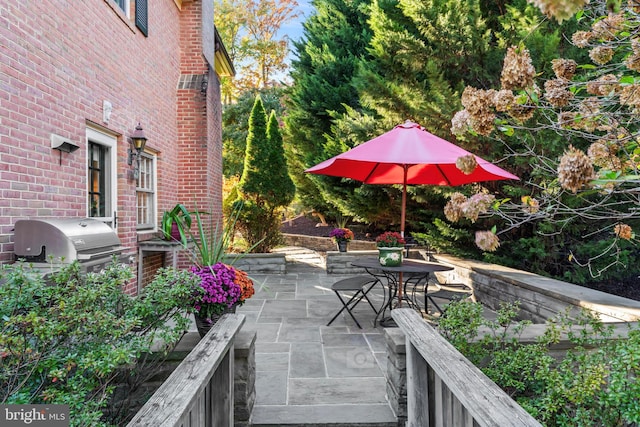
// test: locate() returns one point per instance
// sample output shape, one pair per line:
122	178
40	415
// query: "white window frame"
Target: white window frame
153	191
126	9
111	143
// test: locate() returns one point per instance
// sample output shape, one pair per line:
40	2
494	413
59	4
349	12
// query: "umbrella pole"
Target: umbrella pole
402	218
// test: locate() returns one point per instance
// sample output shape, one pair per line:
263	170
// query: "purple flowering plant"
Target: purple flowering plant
341	234
218	289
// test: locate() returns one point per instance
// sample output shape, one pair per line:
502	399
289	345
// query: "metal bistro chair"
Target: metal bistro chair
361	286
446	291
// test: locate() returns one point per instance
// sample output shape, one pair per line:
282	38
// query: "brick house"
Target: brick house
80	75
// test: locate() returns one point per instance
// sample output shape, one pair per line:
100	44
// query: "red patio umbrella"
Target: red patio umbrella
408	155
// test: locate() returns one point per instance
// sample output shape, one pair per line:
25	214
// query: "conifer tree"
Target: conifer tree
265	186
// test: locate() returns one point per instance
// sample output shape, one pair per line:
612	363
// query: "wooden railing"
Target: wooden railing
445	389
200	391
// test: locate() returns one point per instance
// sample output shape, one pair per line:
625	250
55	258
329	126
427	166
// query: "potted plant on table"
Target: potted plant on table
176	223
390	248
342	236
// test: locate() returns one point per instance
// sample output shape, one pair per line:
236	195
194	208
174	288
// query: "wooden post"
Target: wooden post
417	388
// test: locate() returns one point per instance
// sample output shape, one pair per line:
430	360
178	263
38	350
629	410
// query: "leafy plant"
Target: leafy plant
65	340
594	384
212	240
181	217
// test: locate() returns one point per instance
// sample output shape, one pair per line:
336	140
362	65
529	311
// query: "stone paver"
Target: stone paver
307	373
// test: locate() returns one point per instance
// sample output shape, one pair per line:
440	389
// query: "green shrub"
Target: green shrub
63	341
594	384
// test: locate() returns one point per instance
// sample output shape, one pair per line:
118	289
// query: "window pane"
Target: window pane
122	4
145	193
97	180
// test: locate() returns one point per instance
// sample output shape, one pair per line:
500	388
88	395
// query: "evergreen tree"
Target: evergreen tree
235	126
282	188
254	182
265	186
336	39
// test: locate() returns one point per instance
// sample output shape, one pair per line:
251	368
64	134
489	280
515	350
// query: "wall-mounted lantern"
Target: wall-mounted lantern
137	141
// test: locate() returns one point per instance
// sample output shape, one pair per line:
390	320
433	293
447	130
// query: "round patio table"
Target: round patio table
411	273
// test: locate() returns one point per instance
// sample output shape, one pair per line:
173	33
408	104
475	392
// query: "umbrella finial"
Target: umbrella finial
408	124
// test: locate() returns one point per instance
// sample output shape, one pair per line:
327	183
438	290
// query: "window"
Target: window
124	5
146	193
101	179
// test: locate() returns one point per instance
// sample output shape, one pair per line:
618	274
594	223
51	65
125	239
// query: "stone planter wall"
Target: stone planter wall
262	263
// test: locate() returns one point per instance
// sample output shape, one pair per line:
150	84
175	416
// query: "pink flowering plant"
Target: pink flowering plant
341	235
217	290
390	239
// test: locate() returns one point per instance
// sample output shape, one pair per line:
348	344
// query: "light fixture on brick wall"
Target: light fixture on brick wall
137	141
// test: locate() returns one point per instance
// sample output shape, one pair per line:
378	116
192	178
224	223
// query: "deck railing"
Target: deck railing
200	390
445	389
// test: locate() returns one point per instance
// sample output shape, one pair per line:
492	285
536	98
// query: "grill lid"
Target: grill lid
36	240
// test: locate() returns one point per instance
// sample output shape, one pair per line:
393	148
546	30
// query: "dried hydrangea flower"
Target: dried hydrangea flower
461	122
633	62
477	204
575	170
517	71
483	124
530	205
607	28
476	101
589	110
590	107
453	208
604	156
522	113
601	54
567	119
467	164
630	95
559	9
581	38
557	93
564	68
487	241
604	85
623	231
504	100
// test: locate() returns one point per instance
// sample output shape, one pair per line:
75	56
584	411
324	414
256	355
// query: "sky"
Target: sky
293	29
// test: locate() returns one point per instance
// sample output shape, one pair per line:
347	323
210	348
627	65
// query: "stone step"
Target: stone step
363	415
297	256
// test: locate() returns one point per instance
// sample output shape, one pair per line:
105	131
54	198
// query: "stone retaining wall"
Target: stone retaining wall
540	297
261	263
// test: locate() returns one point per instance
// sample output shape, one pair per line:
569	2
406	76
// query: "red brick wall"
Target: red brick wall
57	65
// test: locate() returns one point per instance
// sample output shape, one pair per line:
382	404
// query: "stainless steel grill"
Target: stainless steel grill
62	241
